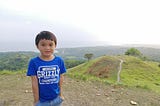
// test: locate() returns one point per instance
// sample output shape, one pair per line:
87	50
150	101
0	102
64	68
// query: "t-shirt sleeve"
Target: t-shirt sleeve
31	68
62	68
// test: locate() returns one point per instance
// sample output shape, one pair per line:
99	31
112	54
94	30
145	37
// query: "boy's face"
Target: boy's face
46	47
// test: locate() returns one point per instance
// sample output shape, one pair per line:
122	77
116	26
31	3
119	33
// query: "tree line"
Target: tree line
14	61
19	60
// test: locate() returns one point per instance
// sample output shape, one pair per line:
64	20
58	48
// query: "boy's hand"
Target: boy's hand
35	103
62	97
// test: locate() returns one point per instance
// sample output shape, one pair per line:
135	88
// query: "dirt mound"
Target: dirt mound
104	67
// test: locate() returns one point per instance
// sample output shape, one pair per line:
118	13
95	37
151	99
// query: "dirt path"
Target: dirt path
15	90
119	70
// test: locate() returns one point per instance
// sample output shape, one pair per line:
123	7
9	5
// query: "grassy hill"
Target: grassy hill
138	73
135	72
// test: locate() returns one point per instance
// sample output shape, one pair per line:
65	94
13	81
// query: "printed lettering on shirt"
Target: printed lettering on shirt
48	74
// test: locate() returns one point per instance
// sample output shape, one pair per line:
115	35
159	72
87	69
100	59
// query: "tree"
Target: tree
88	56
159	65
133	52
72	63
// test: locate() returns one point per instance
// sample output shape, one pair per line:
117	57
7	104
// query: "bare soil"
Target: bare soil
15	90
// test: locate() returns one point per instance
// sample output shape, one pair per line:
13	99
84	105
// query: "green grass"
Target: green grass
82	71
143	74
135	72
8	72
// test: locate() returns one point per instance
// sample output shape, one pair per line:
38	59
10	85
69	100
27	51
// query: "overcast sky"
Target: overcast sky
113	21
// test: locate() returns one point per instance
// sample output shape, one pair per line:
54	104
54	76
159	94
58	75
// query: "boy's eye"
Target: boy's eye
42	44
51	44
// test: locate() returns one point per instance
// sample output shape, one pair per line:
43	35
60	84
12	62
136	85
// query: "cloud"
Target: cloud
115	21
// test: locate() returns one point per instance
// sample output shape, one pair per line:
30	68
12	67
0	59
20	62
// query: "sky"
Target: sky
111	21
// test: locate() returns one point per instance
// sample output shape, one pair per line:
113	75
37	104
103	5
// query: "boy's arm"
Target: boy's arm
35	89
60	85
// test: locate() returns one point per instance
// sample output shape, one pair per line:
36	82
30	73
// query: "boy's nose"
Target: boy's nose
47	47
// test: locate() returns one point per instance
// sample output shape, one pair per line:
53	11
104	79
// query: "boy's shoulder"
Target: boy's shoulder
58	57
34	58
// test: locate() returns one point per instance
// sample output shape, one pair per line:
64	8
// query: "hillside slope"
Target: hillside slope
138	73
135	72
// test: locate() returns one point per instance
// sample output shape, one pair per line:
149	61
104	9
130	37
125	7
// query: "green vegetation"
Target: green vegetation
72	63
88	56
135	72
133	52
97	69
14	61
78	53
143	74
8	72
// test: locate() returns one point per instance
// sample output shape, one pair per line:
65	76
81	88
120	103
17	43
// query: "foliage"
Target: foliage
14	61
73	63
19	60
88	56
133	52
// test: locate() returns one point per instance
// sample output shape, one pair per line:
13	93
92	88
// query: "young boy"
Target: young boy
46	72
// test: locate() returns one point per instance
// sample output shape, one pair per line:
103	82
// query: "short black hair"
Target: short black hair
45	35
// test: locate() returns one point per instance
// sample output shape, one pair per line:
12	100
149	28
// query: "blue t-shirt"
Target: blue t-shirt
48	74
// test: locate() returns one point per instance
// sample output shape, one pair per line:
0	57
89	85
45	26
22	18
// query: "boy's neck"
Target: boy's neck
47	58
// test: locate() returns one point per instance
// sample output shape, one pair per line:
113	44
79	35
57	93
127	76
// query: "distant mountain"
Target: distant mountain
78	53
143	45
